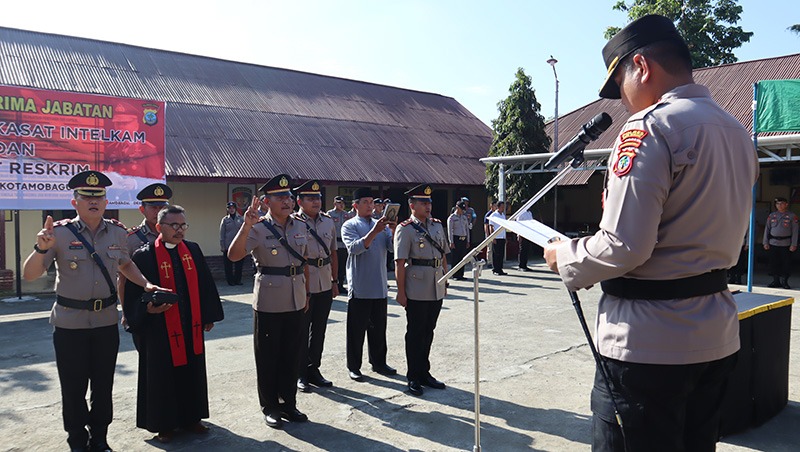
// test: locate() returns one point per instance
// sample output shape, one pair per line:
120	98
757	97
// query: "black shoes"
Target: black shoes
385	370
431	382
273	419
524	269
415	388
499	273
316	379
99	447
293	415
775	283
302	385
356	375
785	283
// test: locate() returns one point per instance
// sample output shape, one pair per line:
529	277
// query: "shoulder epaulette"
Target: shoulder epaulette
407	222
62	222
133	230
297	217
324	214
436	220
116	223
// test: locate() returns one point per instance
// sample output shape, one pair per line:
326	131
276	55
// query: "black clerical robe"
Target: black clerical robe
170	397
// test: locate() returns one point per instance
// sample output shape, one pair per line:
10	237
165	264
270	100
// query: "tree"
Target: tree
795	28
707	26
518	130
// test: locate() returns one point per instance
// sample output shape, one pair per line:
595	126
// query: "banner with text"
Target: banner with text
46	137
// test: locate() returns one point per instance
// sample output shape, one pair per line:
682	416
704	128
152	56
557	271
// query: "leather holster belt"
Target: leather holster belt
319	261
289	270
427	262
780	237
95	304
642	289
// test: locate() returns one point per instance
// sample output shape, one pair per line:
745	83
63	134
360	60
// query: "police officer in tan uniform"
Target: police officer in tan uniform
278	243
780	240
322	284
420	248
458	228
339	216
154	197
86	338
667	325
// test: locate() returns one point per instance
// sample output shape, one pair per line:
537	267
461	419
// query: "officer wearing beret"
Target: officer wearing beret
278	243
339	216
667	325
89	251
154	197
420	248
228	227
322	258
780	240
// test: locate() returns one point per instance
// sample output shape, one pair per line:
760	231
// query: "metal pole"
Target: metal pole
751	239
17	254
501	183
477	266
552	62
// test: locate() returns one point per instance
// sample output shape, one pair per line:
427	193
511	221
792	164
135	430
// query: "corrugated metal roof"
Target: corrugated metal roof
731	86
227	119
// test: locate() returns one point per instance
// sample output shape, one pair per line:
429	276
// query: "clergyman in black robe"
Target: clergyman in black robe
172	396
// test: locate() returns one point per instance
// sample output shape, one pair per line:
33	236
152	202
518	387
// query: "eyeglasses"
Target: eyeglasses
177	226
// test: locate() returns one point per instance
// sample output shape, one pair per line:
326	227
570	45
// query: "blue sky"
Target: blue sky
465	49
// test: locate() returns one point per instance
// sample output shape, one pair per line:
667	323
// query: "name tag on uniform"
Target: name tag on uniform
114	248
75	245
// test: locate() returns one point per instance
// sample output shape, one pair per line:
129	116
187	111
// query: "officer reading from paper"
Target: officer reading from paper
89	251
667	325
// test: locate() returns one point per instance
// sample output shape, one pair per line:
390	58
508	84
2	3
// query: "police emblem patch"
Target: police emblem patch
150	114
629	142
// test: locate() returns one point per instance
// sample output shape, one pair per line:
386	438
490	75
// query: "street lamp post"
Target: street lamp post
552	62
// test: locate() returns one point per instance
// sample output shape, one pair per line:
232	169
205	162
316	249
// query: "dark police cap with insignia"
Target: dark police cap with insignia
278	185
421	192
639	33
362	192
379	201
157	194
89	183
310	188
338	198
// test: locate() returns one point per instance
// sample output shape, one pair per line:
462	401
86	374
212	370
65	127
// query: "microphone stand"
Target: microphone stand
577	159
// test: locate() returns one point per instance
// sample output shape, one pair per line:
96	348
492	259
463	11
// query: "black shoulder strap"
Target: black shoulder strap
141	235
428	236
283	241
95	256
314	234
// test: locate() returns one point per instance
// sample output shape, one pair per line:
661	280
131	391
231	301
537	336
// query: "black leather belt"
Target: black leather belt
641	289
427	262
319	262
460	237
782	237
96	304
289	270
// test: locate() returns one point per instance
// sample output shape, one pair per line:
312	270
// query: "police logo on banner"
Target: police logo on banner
150	112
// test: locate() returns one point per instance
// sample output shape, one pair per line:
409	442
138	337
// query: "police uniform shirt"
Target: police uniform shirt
278	293
664	219
78	276
228	228
781	225
409	243
320	277
458	226
135	241
339	217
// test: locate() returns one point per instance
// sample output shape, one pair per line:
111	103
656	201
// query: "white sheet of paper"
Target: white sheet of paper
532	230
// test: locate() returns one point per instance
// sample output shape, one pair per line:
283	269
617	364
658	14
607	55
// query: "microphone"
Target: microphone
589	132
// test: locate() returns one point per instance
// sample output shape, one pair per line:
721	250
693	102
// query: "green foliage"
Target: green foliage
708	26
518	130
795	28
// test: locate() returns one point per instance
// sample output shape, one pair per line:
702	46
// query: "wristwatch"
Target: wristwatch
38	250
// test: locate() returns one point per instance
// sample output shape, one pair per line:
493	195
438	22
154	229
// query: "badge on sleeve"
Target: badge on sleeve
630	140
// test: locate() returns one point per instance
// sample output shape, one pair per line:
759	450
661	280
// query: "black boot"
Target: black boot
785	282
775	282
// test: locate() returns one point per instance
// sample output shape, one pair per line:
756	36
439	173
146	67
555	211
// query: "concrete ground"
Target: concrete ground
536	371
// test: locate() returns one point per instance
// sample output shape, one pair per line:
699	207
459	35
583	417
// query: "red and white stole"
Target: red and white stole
166	277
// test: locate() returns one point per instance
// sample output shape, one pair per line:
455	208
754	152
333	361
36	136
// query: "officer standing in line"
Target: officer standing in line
278	243
420	248
339	216
89	251
230	224
323	288
458	231
471	216
780	240
154	197
377	211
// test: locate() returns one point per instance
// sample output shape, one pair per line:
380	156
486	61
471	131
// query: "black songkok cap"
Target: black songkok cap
362	192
